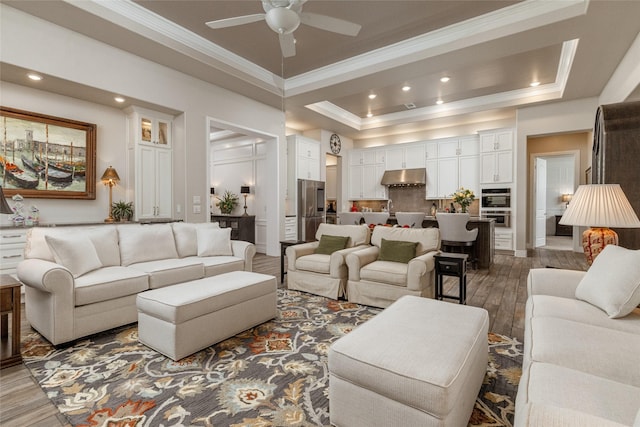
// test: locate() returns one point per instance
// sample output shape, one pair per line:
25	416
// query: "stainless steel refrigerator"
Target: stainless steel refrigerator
310	208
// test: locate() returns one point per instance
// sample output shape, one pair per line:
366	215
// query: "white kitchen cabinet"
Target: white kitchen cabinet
408	156
432	179
496	158
303	162
457	166
366	168
291	228
151	163
503	240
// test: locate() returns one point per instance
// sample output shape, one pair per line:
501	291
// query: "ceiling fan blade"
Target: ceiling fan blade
328	23
287	45
237	20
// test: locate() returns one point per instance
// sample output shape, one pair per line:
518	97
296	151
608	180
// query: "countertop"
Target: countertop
472	218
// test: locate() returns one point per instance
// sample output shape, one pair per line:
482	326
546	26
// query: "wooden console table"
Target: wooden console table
242	227
9	303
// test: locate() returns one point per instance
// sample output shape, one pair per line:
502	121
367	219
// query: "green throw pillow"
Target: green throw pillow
397	251
330	244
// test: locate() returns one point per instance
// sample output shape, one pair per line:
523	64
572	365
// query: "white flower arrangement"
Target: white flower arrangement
463	197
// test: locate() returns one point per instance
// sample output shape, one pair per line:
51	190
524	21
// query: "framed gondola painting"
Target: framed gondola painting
47	157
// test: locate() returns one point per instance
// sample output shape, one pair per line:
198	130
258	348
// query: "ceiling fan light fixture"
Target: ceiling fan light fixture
282	20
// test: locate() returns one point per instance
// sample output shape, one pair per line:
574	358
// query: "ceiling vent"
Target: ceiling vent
410	106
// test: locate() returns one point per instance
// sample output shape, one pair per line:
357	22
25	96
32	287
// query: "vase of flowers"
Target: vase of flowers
227	202
463	197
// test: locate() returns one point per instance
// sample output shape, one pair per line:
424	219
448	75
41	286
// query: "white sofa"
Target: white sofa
581	350
81	280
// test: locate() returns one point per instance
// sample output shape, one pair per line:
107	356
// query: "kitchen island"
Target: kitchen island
484	249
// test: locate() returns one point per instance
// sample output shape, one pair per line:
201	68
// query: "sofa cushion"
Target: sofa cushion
75	252
428	238
186	237
214	265
141	243
105	240
170	271
389	272
397	250
329	244
214	241
549	384
317	263
613	281
109	283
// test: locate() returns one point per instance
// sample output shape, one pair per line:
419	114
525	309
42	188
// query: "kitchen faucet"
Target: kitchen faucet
389	205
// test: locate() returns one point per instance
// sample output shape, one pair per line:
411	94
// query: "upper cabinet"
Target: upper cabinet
366	167
303	162
457	166
496	158
407	156
151	163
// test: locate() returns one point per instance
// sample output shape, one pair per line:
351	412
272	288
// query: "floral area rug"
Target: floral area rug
275	374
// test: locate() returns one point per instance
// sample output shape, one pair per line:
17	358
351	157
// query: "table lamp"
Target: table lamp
4	206
110	177
599	206
245	190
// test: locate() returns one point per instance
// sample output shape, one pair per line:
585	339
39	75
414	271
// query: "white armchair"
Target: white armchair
323	274
380	282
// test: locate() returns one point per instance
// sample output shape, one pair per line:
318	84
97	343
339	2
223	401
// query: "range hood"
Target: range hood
404	177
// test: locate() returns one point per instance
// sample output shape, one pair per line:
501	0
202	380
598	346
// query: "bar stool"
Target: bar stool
454	234
349	218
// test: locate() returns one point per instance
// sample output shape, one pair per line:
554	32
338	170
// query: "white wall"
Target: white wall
58	52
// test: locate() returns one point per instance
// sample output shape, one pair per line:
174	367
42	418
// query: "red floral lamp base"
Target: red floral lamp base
595	239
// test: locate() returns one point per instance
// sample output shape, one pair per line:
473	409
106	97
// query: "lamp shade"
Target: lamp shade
4	206
245	189
600	205
110	176
567	197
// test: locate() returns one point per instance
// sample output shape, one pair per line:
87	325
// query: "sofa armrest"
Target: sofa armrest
296	251
418	268
244	250
339	259
541	415
45	276
554	282
358	259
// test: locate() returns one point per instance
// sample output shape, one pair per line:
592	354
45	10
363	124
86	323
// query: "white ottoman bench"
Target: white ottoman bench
181	319
420	362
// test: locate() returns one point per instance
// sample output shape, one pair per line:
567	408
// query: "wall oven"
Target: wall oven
496	198
503	218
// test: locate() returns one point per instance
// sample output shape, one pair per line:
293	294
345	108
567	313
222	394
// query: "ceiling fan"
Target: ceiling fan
284	16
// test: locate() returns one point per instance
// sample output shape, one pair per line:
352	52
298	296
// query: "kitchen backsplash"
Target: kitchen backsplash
411	199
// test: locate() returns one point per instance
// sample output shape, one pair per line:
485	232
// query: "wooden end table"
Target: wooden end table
9	303
455	265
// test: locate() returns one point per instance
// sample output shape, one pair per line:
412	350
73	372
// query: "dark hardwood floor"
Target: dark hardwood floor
501	290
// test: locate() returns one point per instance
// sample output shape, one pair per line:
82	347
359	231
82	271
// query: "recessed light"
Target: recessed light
34	77
406	88
439	102
445	79
119	99
534	84
372	96
369	115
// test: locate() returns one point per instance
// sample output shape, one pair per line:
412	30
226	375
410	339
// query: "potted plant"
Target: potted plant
227	202
122	211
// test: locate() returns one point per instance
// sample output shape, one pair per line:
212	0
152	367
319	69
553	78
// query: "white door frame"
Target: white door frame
577	238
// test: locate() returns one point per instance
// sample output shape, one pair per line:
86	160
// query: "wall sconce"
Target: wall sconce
244	190
110	177
566	198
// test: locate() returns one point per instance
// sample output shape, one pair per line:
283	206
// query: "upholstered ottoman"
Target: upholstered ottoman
420	362
181	319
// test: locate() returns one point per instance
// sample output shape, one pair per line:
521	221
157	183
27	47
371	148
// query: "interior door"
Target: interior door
540	226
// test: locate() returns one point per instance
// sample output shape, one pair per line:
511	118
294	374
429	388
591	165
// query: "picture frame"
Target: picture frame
44	156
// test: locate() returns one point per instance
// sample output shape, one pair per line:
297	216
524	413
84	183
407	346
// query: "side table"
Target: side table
448	264
284	244
9	303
